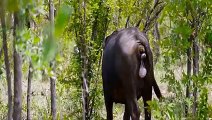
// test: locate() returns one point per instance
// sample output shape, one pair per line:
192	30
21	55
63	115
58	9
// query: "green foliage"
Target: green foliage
49	50
178	16
76	28
62	19
3	109
203	104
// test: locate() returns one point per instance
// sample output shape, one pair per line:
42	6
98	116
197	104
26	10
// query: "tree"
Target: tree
30	74
65	44
84	58
52	78
17	109
182	39
189	76
6	59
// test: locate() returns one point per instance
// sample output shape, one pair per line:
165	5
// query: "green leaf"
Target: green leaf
183	30
208	38
49	51
36	40
62	19
13	5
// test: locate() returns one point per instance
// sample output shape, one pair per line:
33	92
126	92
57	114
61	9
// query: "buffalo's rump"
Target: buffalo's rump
120	65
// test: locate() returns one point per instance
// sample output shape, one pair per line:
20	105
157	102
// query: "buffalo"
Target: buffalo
127	72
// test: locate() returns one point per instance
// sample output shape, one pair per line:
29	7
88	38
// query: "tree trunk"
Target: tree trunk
127	22
99	28
189	78
53	97
6	60
52	79
195	72
30	74
79	32
17	76
84	59
156	46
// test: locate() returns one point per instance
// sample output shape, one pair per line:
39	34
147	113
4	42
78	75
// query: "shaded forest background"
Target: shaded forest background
51	51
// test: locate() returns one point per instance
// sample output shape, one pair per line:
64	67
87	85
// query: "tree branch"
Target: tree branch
156	3
150	19
128	18
127	22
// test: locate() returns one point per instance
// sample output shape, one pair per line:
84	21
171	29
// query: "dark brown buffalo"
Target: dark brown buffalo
127	71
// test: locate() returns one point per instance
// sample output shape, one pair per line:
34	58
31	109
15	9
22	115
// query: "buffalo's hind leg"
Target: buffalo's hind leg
109	108
131	97
126	113
132	105
147	97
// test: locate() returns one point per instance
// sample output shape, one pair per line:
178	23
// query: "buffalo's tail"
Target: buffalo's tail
157	90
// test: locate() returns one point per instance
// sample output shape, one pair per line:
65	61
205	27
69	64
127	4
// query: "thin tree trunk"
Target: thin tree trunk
195	73
156	46
127	22
30	74
17	110
80	42
52	79
156	36
6	61
84	59
53	97
189	78
85	93
85	89
151	18
94	28
100	21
